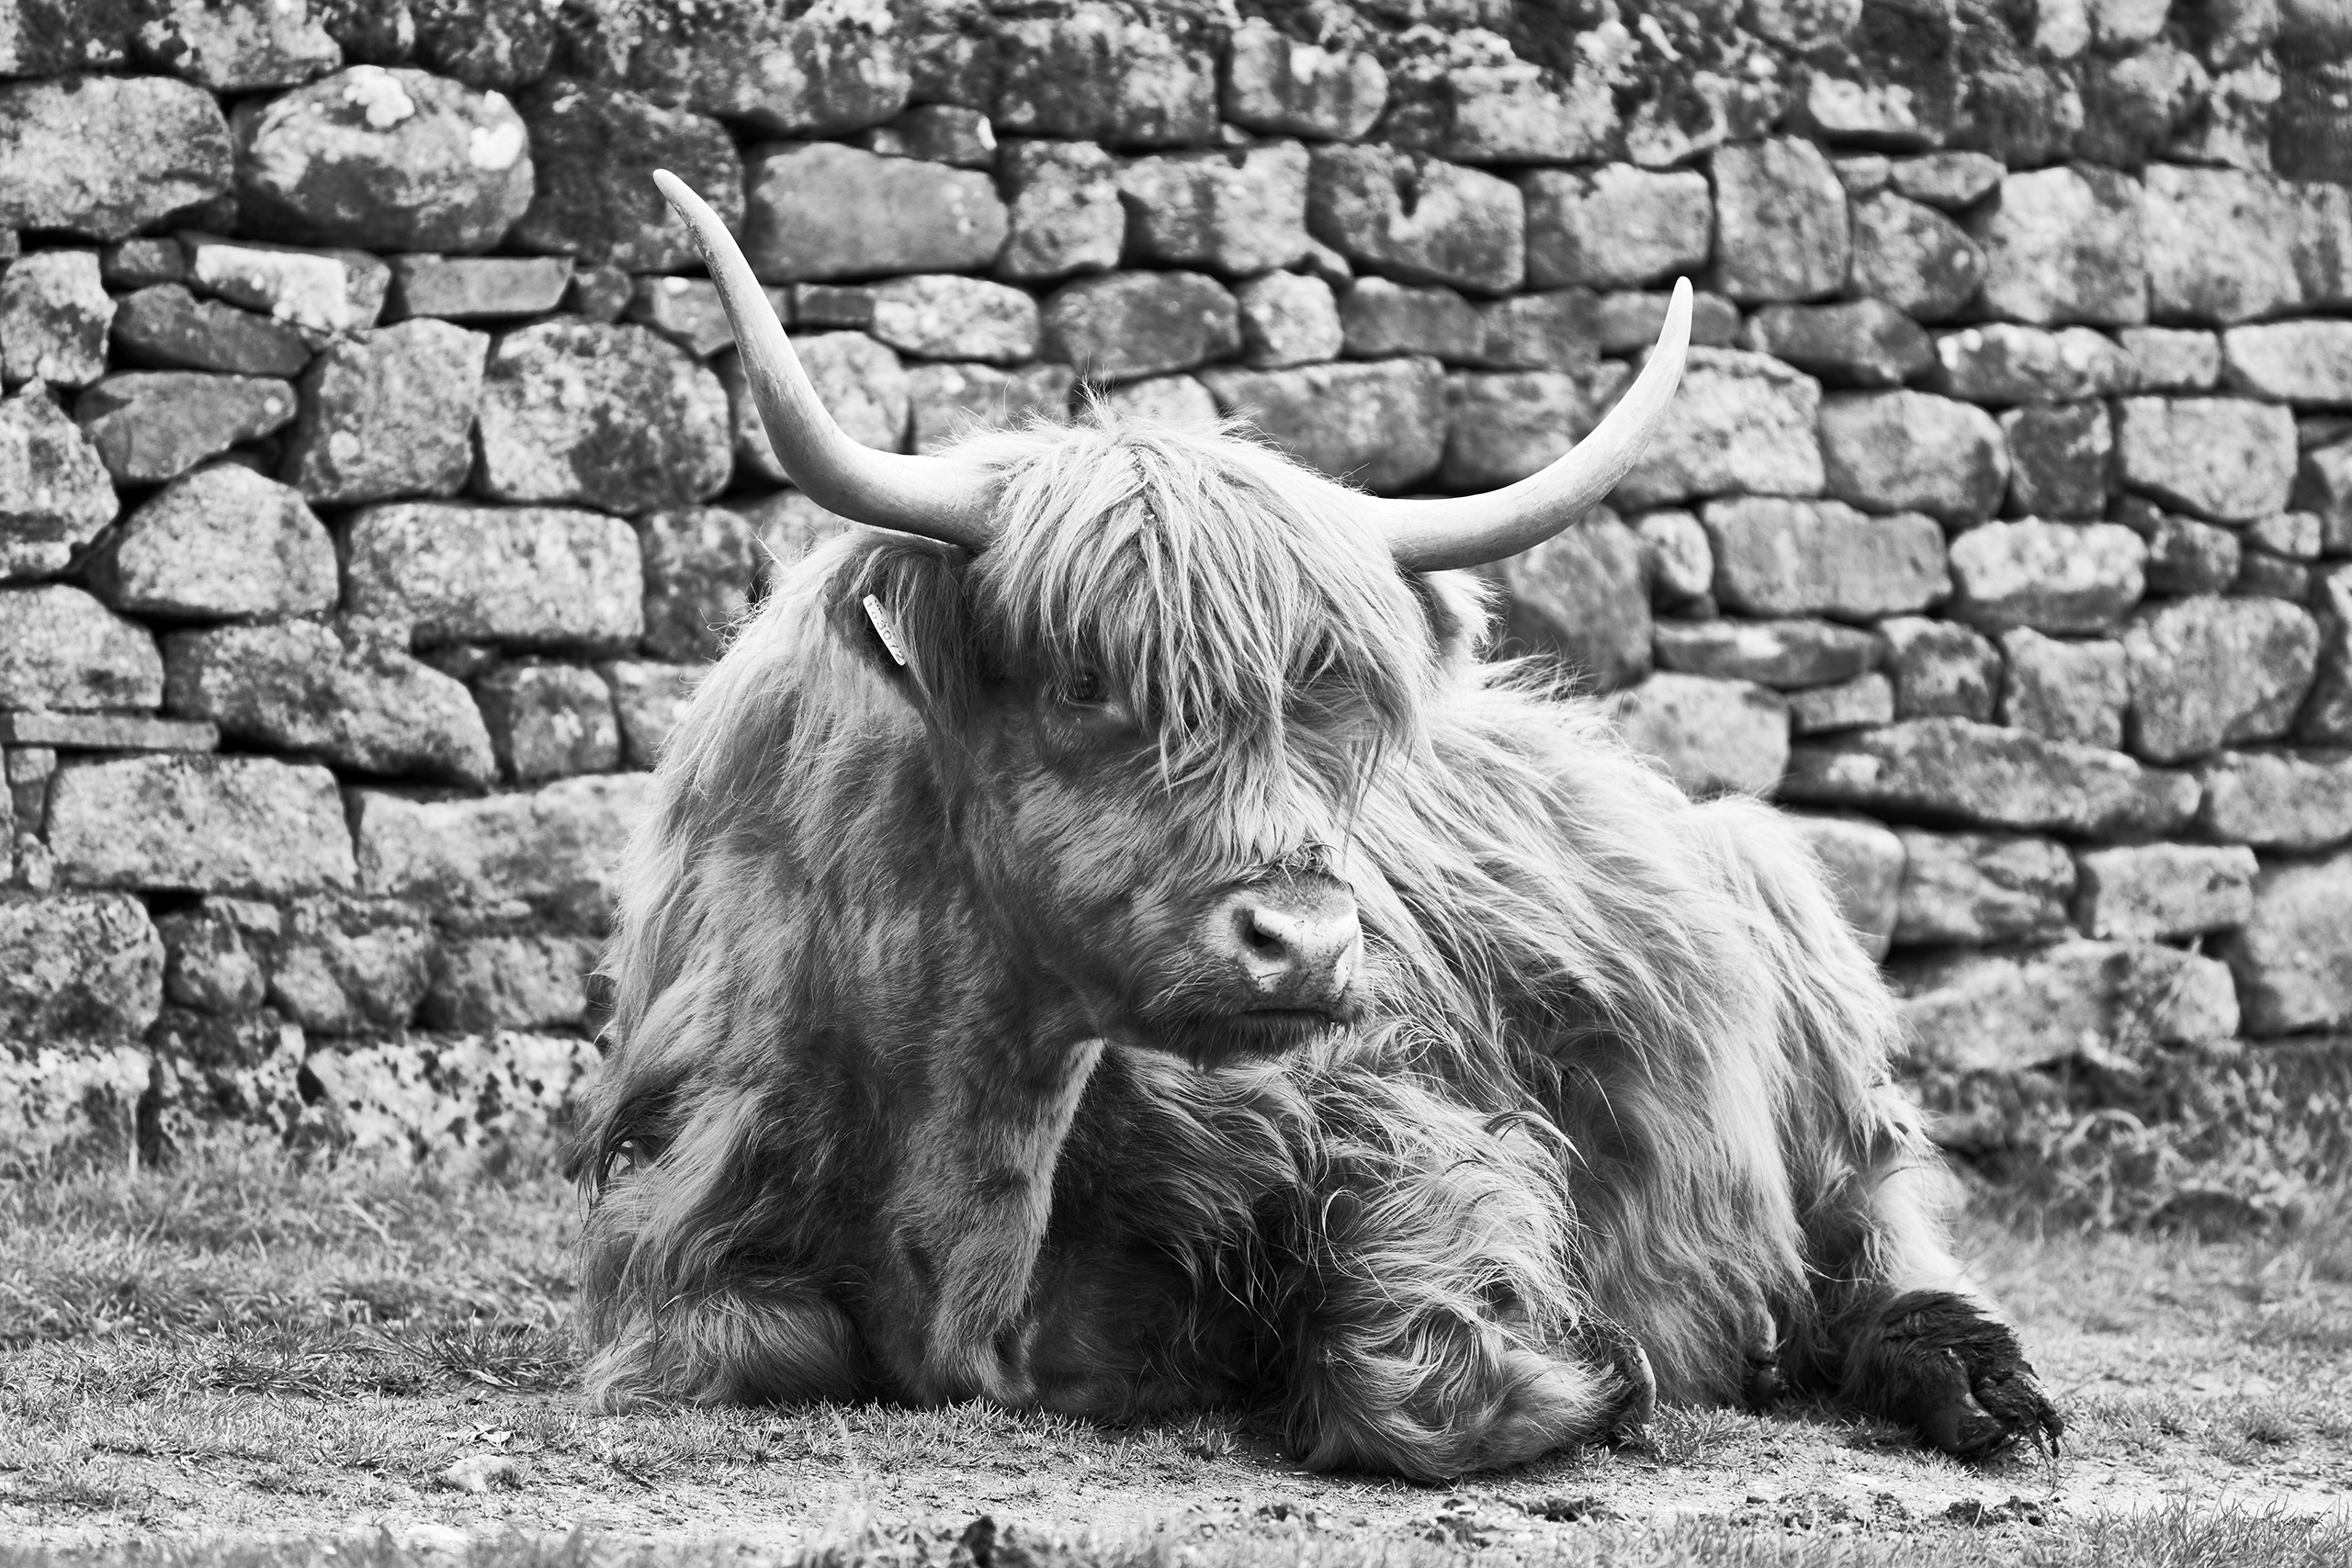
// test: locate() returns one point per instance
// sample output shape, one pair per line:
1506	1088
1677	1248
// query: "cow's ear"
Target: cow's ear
901	609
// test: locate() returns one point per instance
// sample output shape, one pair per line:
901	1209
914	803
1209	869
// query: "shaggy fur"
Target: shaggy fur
916	1090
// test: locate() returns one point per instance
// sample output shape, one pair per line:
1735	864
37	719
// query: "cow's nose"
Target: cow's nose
1295	942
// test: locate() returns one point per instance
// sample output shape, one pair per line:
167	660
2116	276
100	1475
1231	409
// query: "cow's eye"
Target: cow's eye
1083	689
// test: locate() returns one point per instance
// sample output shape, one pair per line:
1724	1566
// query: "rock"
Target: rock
1170	399
2065	691
1380	319
1864	864
1822	558
2295	362
1630	322
2166	359
2001	364
1854	343
1951	180
1463	227
2297	535
2327	712
1787	654
1709	736
152	425
821	211
1909	451
1579	596
389	413
54	492
2054	577
1285	87
318	293
73	1103
525	577
2161	892
507	981
1553	331
78	967
1780	222
2184	555
649	700
1677	556
1238	217
942	316
2323	487
216	955
1131	325
199	823
475	288
1975	890
1503	427
1382	424
2277	800
951	402
352	966
687	311
43	731
2201	266
2059	457
1915	258
941	133
106	156
353	700
61	649
2008	1012
859	382
2001	778
387	160
828	71
54	314
551	851
222	542
1867	699
1065	213
1862	173
1288	320
237	49
166	325
594	150
504	44
1481	110
700	564
141	264
2061	245
2207	672
2292	966
1939	668
1097	74
459	1104
614	415
790	527
548	721
1740	424
1615	227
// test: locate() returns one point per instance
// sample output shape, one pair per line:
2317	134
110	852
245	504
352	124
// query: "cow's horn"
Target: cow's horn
1470	530
935	497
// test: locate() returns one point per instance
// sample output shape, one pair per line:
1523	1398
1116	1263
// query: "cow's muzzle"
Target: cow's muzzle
1288	945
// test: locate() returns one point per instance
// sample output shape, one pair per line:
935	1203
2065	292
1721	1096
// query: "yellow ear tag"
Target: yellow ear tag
886	626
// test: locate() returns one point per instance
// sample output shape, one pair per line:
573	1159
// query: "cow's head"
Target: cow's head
1158	669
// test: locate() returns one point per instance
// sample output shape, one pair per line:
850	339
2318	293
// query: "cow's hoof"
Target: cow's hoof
1960	1378
1605	1343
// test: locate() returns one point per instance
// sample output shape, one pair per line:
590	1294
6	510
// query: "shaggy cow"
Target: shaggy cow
1124	952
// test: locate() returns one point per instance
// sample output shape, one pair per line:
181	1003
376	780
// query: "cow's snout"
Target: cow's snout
1293	944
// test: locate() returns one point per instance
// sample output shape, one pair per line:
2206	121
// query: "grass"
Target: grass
250	1361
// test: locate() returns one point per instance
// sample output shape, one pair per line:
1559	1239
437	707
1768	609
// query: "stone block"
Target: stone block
2307	363
1171	400
222	542
1284	86
2296	800
550	851
153	425
790	527
1677	557
613	415
1379	318
237	49
951	402
2059	459
1382	424
2292	966
78	967
165	325
548	721
1629	322
2171	359
525	576
354	700
1480	109
648	700
1096	73
2297	535
507	980
2065	691
2324	487
2264	575
1616	226
820	211
389	413
816	74
1863	861
1740	424
1822	557
1556	330
54	492
2008	1012
943	316
1982	775
106	156
939	133
1976	889
2184	555
1853	343
1579	596
700	565
318	292
382	159
141	264
454	1103
44	731
199	823
1237	214
2208	671
1949	180
1130	324
54	315
61	649
1865	700
1709	736
861	384
475	288
1786	654
1915	258
1288	319
1503	426
1781	230
1906	451
216	955
2216	245
352	966
2328	711
687	311
77	1103
1863	175
1463	227
2052	577
2064	245
595	148
2000	362
1065	215
2161	892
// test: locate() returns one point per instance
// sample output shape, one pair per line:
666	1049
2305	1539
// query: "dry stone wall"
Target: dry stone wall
376	472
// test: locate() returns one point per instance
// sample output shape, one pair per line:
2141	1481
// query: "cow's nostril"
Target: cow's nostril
1293	943
1265	933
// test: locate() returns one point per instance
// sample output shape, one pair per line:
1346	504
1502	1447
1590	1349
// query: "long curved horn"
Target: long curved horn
1470	530
932	496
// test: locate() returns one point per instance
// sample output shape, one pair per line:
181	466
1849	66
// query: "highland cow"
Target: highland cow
1107	942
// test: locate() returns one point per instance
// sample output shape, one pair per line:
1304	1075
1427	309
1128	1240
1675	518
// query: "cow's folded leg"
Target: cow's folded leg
1940	1363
